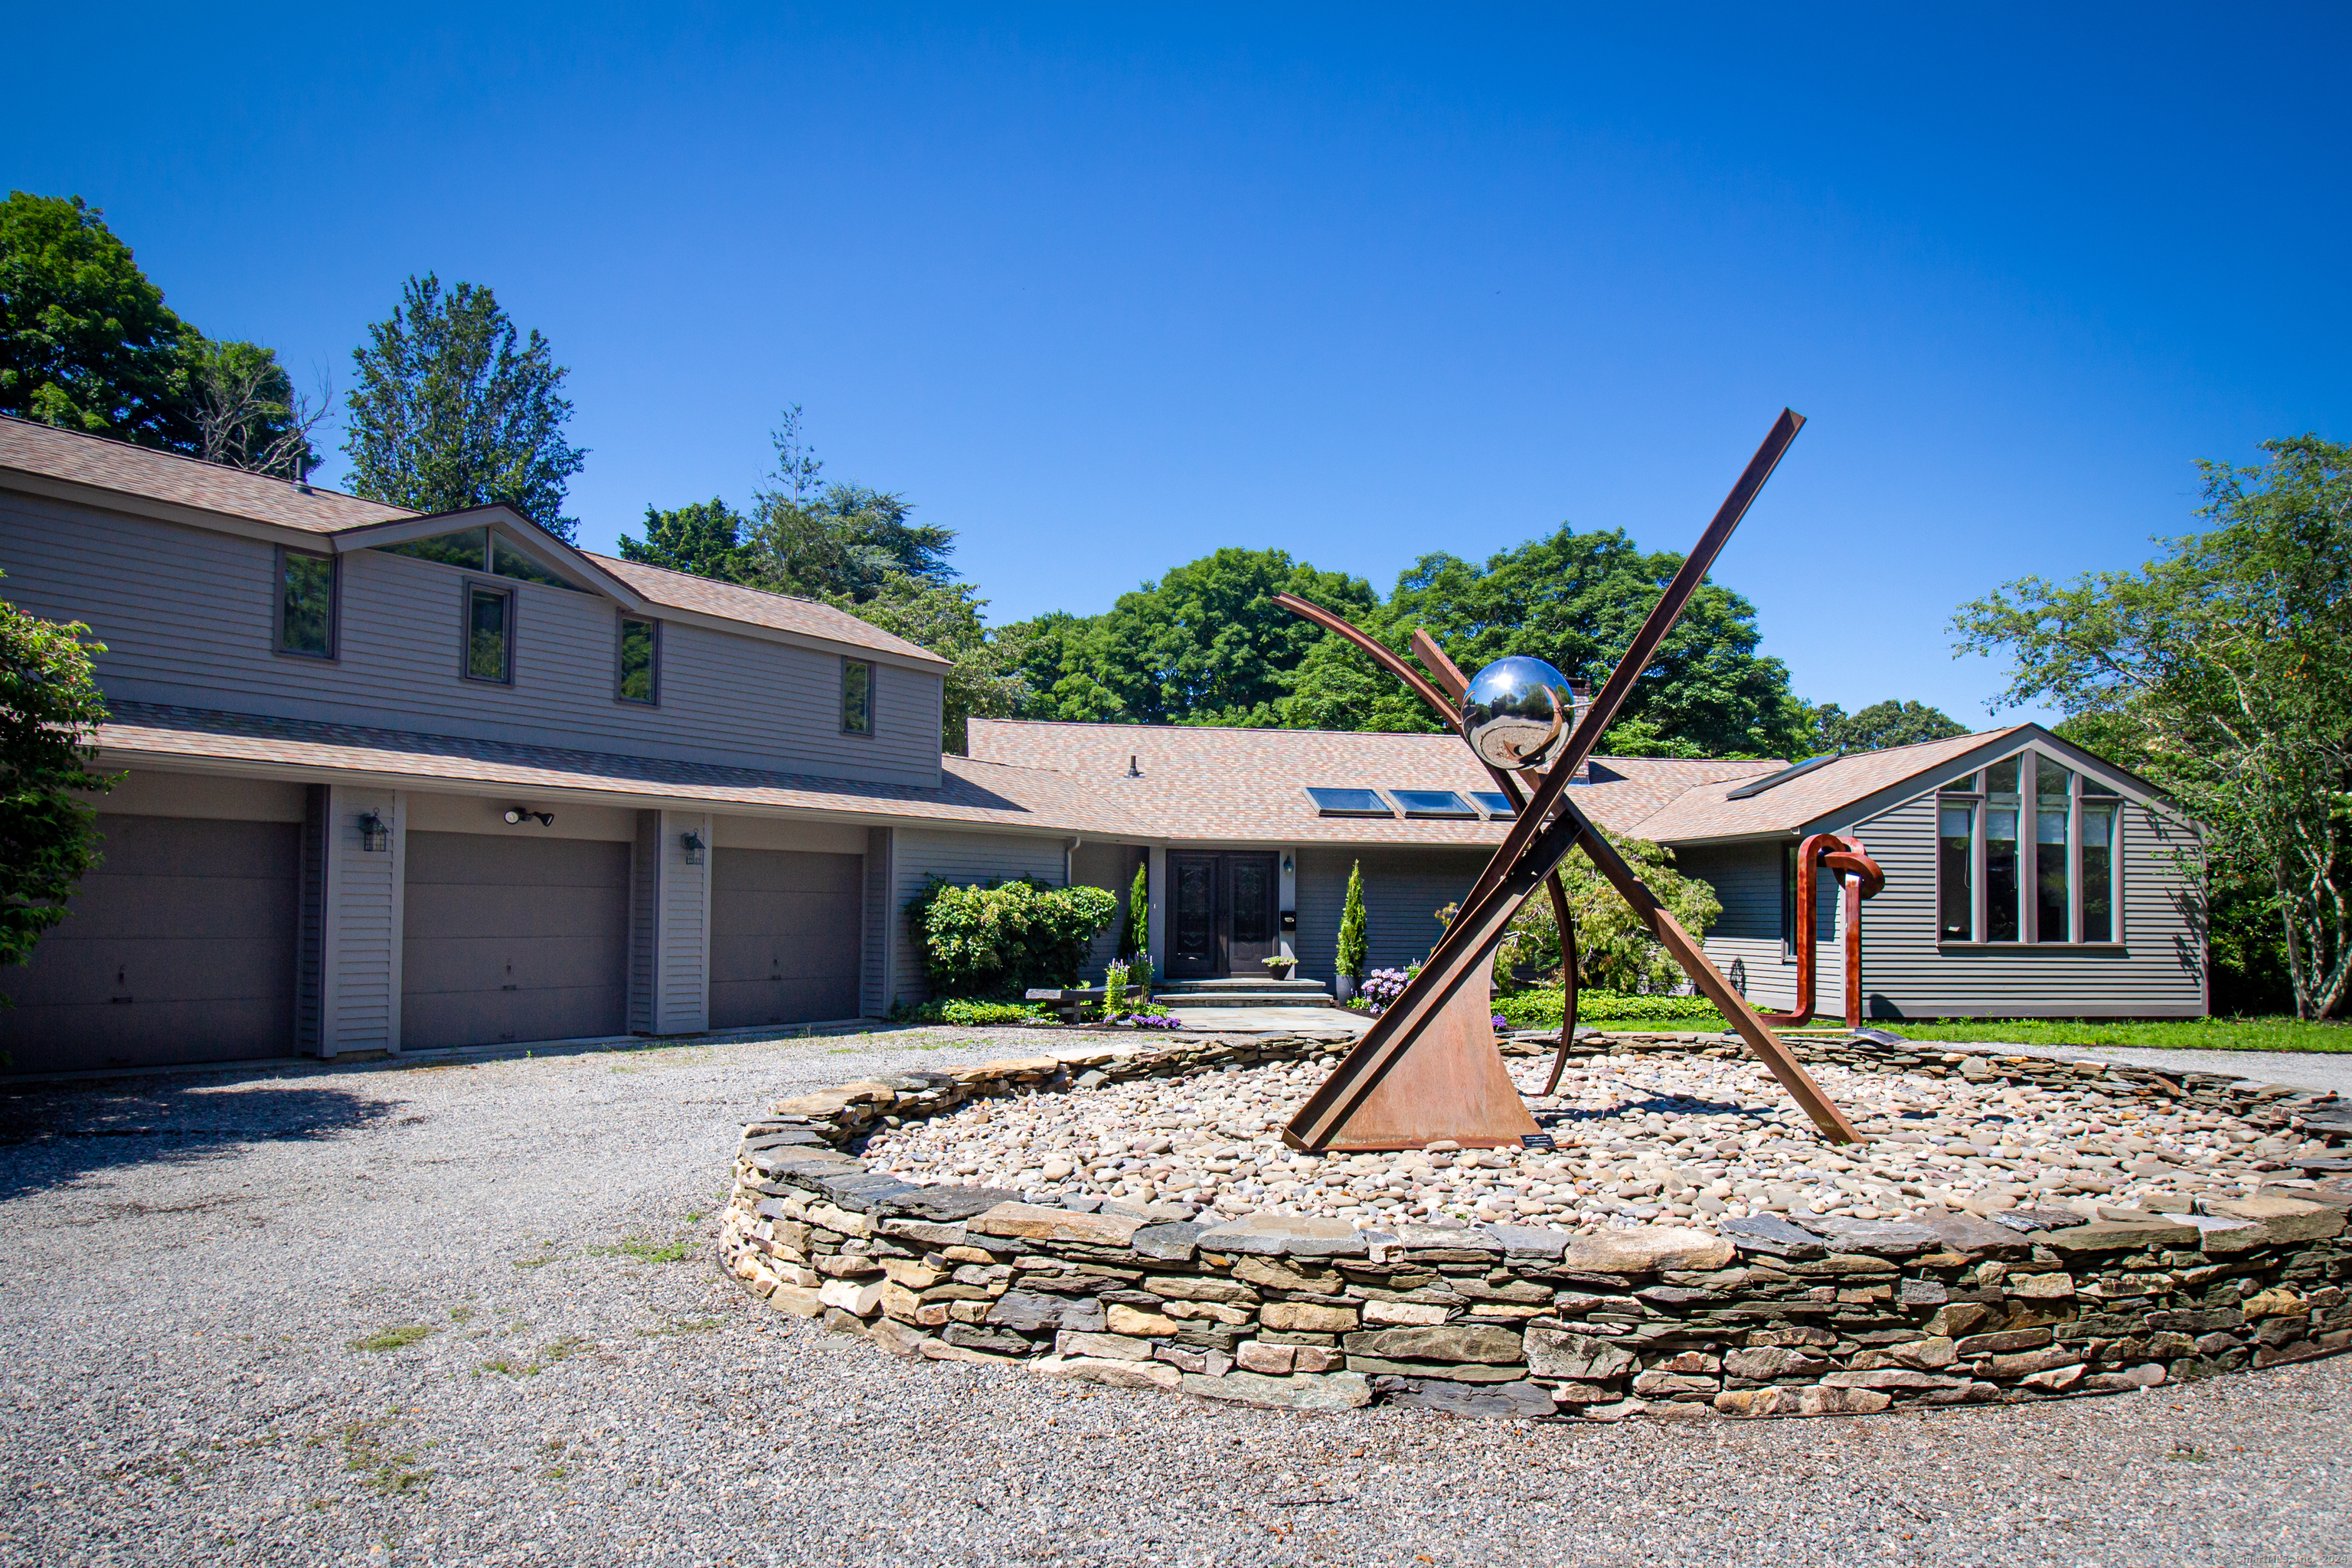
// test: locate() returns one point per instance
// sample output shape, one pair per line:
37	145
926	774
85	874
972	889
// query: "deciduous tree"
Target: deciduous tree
1881	725
453	408
2229	661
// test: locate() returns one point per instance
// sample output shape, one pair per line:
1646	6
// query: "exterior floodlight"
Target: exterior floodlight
1517	713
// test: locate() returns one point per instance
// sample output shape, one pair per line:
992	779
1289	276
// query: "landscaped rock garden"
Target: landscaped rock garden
2016	1227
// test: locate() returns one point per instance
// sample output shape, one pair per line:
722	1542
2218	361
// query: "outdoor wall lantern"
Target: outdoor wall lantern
1286	865
376	834
692	844
517	813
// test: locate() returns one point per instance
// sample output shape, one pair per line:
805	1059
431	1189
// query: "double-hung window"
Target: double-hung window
2026	851
489	634
306	604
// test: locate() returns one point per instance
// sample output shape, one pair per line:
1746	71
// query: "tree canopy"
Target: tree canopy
1575	599
1881	725
1204	644
453	408
2223	669
87	343
705	538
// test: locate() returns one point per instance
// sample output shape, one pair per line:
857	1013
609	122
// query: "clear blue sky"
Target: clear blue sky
1104	288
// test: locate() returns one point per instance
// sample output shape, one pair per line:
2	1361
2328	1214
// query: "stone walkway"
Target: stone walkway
466	1314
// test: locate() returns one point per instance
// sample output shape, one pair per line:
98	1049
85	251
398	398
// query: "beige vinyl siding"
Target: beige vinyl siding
969	857
360	980
2156	972
186	616
1403	890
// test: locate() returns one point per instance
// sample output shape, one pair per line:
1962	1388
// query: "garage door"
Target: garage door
512	939
179	947
784	937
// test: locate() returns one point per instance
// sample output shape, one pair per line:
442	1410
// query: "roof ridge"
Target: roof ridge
203	463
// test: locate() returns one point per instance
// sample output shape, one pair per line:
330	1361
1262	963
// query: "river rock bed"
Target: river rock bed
1686	1139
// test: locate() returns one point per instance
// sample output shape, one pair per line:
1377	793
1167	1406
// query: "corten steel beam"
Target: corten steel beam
1533	848
1691	956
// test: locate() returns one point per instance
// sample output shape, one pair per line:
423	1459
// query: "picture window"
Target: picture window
856	696
2032	859
306	604
489	634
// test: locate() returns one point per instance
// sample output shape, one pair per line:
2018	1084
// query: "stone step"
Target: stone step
1241	983
1191	1000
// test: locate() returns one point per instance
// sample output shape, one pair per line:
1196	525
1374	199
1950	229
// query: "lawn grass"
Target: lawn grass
2276	1034
2273	1034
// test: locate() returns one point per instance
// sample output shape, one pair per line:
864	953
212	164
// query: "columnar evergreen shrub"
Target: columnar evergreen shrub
1355	948
1137	937
998	938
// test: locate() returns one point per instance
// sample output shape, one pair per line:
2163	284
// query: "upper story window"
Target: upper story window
480	549
489	634
638	674
2027	852
306	604
856	696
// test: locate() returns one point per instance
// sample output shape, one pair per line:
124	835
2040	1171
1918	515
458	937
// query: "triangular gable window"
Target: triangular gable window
481	550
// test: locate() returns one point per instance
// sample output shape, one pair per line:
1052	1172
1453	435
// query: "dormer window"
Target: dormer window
856	696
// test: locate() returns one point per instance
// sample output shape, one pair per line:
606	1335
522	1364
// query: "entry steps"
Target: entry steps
1242	993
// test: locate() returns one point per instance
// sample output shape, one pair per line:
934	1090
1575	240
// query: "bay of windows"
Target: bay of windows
2026	853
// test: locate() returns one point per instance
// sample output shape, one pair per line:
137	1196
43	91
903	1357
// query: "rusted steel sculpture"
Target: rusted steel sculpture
1861	879
1427	1071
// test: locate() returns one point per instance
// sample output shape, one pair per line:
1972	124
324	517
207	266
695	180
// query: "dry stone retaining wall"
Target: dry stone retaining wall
1832	1316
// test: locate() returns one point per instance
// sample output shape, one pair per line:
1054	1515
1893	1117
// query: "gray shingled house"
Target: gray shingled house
398	781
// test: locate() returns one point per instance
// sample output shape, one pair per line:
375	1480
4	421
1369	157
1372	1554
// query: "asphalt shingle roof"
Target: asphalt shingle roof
35	449
1705	812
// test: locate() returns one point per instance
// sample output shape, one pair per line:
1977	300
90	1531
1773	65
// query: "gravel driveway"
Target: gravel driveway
466	1314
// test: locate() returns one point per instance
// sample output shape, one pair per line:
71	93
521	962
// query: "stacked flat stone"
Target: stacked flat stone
1814	1313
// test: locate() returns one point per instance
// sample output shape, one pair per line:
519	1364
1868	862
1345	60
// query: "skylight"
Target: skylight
1494	802
1784	775
1431	803
1349	803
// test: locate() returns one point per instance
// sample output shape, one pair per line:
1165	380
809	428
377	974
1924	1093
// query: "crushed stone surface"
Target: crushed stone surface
468	1314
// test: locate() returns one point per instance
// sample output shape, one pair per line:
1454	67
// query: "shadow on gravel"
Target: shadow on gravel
53	1137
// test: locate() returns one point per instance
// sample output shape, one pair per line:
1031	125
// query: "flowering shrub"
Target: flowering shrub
1155	1021
1381	987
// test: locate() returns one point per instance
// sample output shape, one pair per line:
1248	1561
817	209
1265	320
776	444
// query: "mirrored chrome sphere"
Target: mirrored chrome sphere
1517	712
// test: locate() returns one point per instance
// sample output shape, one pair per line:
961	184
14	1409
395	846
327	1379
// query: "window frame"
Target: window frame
334	606
871	726
2027	914
621	620
502	587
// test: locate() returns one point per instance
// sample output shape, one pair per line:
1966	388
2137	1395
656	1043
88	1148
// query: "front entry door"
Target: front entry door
1227	915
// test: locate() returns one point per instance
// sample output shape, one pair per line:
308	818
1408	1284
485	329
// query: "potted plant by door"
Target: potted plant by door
1280	966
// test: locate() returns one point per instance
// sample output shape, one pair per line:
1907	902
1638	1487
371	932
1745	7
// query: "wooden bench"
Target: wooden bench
1068	1005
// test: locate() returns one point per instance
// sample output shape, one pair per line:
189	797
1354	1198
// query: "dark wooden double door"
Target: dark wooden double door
1224	914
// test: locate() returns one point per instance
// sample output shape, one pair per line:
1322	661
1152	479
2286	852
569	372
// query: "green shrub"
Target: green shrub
996	941
1540	1008
965	1014
1355	947
1136	938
